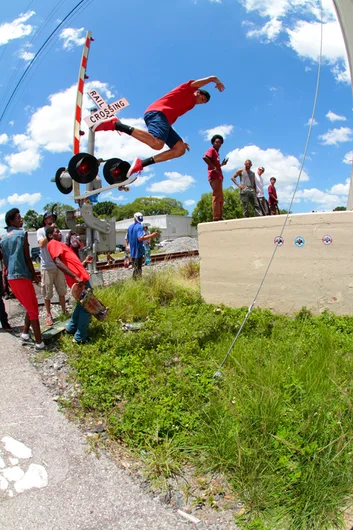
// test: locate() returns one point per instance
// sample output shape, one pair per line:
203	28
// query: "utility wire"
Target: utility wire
36	56
218	373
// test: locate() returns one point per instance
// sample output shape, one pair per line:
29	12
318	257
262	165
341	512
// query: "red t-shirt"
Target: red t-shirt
213	154
176	102
271	191
69	258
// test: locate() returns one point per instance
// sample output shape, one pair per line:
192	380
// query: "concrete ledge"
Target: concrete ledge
234	256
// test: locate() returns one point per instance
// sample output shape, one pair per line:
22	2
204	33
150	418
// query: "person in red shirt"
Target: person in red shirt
66	260
159	118
215	175
272	196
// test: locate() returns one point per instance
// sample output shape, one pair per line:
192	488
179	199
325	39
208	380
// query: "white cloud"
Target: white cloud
189	202
3	170
285	168
311	121
24	162
298	24
175	183
335	117
50	128
27	56
3	139
268	32
2	202
340	189
223	130
326	200
336	136
109	196
25	198
141	181
348	157
16	29
72	37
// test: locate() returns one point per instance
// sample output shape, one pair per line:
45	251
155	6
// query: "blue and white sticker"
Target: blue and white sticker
327	239
279	241
299	241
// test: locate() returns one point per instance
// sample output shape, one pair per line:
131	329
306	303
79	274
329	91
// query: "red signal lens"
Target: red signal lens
84	168
115	172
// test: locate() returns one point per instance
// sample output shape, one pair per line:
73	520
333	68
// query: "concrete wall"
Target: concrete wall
235	254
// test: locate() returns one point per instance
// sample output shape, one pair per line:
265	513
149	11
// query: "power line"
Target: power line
36	56
218	373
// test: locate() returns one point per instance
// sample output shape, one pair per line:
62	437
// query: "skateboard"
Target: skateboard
89	301
48	332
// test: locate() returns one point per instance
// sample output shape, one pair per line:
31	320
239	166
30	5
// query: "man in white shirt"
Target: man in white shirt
261	206
51	275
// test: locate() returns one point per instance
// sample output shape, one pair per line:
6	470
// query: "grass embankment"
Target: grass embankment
279	424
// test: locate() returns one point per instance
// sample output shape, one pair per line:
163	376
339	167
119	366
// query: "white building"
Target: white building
171	226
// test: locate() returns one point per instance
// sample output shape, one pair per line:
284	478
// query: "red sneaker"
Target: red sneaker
106	125
136	167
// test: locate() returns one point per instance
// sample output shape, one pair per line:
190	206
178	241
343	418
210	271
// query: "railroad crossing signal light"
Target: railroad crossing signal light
63	181
115	170
83	168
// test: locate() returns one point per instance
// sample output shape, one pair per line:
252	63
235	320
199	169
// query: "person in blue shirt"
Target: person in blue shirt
135	237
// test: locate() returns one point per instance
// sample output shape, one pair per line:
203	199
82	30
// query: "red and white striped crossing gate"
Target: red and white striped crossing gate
79	99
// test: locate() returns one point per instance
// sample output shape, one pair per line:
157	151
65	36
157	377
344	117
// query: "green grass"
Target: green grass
278	425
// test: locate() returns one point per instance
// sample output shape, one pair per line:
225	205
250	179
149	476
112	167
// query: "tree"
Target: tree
60	210
105	209
154	206
340	209
232	208
32	219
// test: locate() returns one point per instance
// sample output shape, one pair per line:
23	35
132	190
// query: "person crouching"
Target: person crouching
66	260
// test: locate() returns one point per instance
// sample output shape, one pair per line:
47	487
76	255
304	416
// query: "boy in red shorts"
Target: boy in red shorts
159	118
66	260
21	273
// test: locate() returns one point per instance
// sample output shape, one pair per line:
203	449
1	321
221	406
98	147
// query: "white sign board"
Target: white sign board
104	110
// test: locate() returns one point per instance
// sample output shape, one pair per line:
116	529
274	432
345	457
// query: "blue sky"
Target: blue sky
264	51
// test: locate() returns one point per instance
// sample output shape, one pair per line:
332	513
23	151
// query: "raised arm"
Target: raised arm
199	83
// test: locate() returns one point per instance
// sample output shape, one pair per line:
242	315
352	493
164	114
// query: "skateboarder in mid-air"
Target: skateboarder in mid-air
159	118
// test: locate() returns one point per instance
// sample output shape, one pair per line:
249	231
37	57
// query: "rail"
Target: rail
118	263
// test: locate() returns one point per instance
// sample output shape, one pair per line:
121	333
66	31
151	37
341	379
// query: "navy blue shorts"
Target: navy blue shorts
158	126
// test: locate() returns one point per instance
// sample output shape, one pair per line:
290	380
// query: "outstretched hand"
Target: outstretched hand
219	85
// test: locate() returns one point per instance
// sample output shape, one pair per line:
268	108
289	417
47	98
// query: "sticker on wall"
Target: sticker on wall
327	240
299	241
279	241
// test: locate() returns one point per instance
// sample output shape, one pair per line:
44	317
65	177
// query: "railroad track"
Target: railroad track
155	258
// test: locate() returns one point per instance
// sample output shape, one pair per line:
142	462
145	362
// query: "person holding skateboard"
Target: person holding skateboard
75	272
159	118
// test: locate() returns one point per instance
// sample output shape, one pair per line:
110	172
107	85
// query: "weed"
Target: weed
278	425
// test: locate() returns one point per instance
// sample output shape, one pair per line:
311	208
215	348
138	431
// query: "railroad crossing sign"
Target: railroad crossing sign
104	110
